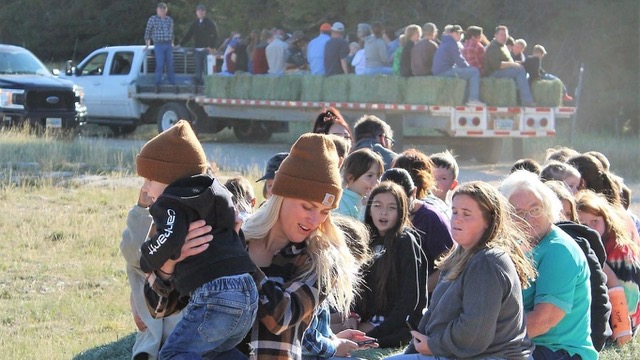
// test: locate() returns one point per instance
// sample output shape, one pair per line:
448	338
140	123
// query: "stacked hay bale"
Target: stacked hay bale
311	88
498	92
433	90
336	88
547	92
381	89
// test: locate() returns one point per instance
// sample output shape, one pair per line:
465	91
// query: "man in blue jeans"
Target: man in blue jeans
160	30
205	34
449	62
499	64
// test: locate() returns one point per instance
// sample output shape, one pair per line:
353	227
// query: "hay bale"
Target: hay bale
311	88
434	90
240	87
384	89
266	87
547	92
217	86
336	88
498	92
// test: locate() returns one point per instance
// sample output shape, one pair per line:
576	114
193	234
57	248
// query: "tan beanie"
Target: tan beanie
173	154
310	172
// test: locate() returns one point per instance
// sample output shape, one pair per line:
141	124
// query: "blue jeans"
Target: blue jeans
200	62
544	353
520	76
472	75
164	56
217	318
385	70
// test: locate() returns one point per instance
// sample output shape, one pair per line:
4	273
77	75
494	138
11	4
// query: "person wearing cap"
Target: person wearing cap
160	30
205	34
175	168
499	64
449	62
298	249
296	53
336	52
270	173
377	60
315	50
423	51
276	53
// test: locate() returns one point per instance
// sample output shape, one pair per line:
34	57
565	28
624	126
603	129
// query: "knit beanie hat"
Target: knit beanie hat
172	155
310	172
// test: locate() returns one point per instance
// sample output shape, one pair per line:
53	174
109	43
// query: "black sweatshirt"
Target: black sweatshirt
184	201
205	34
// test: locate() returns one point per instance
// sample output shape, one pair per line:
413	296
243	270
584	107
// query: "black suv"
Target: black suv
29	92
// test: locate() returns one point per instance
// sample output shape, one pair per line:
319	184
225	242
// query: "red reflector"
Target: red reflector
544	122
475	121
530	122
462	121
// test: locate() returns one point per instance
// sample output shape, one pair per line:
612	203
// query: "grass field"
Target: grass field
63	289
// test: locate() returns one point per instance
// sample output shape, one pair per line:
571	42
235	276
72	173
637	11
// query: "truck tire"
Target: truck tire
252	131
170	113
489	151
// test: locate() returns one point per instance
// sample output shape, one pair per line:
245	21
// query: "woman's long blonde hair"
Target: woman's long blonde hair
502	233
332	263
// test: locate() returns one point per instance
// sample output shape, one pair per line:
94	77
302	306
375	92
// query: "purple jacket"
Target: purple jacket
447	55
434	229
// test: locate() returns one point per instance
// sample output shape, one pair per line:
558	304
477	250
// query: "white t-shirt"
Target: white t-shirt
359	62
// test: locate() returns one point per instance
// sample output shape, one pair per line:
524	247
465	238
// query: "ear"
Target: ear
454	185
350	179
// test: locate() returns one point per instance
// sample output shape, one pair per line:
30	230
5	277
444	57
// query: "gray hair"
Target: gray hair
523	180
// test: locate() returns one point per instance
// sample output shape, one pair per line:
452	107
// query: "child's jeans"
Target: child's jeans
219	315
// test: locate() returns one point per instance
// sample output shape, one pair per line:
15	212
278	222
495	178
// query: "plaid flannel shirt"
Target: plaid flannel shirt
286	307
160	30
473	52
318	339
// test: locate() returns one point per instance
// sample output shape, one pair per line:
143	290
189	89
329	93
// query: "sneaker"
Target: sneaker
567	98
475	103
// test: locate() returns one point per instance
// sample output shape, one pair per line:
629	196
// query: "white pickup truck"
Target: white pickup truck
120	92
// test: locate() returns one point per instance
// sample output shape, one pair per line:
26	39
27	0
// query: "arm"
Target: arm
171	30
458	59
345	66
484	284
542	318
147	32
138	224
314	342
384	54
285	305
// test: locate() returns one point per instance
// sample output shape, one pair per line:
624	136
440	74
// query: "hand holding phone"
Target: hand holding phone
409	325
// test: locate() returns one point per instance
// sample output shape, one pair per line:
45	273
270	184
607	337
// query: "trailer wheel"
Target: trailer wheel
489	151
252	131
170	113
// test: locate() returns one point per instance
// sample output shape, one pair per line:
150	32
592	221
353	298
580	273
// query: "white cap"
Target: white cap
337	26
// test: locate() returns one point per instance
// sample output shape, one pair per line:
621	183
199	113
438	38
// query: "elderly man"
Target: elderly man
448	62
423	51
499	64
160	30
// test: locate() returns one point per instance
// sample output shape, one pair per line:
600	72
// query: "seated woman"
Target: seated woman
395	283
476	308
558	302
300	254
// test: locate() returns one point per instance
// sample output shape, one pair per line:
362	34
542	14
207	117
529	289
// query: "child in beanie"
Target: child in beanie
174	166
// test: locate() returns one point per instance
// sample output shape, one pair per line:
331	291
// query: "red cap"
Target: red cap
325	27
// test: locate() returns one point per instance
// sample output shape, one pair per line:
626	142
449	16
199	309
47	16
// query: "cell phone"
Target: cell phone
409	325
366	342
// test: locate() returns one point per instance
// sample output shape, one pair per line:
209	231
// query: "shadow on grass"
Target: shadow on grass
118	350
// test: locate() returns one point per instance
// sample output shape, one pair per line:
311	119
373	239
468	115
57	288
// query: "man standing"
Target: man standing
315	50
423	51
160	30
499	64
448	62
336	52
204	33
276	53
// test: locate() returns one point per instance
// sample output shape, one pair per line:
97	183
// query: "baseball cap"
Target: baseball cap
201	7
453	28
272	166
337	26
325	27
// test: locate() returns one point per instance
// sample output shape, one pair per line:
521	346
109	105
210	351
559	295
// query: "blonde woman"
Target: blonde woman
301	256
476	308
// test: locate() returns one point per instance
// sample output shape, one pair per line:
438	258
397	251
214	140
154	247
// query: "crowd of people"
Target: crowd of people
356	246
412	51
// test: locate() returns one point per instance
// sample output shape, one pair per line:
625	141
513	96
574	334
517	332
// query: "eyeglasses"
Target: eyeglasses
534	212
390	140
